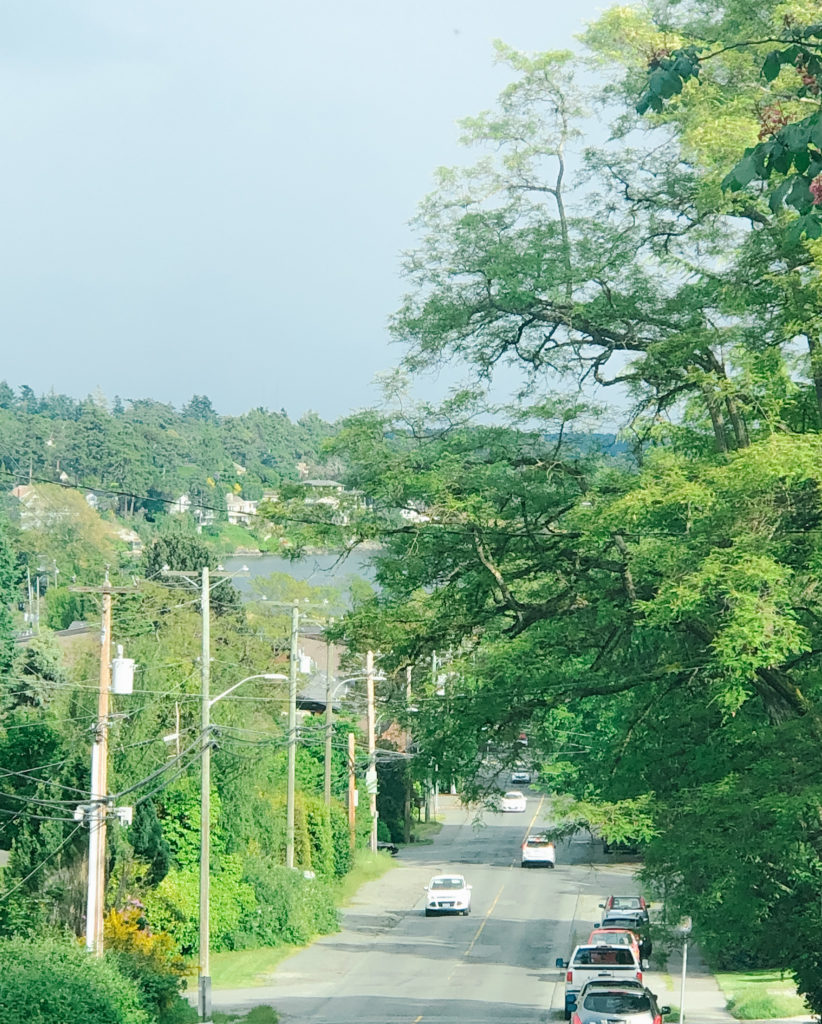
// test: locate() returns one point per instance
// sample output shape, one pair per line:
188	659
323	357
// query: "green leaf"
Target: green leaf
802	160
800	197
771	66
744	172
777	197
795	136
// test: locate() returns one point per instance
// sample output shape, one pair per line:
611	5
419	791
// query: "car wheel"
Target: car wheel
524	864
428	913
551	865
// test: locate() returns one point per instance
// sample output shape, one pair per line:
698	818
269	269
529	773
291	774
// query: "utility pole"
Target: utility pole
98	806
99	792
371	774
292	738
204	987
329	718
352	791
406	825
204	979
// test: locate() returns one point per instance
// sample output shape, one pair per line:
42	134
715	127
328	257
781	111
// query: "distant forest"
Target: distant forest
147	453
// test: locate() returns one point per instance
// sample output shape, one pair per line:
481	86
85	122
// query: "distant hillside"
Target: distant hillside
153	453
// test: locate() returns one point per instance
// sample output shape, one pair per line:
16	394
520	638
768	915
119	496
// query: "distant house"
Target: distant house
35	512
181	505
132	538
240	510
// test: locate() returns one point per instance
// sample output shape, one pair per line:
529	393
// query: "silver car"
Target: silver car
620	1004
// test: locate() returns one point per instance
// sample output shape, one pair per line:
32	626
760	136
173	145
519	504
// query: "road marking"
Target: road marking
536	815
417	1021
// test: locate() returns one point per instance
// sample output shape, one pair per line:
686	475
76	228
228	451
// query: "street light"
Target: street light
204	986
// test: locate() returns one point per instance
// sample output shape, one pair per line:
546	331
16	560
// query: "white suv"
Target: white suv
595	963
539	850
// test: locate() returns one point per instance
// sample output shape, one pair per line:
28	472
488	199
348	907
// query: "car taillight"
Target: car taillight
642	902
569	977
657	1019
576	1019
639	975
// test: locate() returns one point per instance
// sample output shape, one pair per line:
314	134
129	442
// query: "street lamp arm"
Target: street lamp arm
259	675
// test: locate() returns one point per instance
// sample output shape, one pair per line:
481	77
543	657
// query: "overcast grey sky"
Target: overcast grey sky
211	196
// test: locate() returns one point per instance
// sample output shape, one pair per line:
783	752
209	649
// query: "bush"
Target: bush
174	906
341	841
291	908
150	959
52	981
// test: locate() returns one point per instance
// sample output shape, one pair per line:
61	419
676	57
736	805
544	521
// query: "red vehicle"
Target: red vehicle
616	937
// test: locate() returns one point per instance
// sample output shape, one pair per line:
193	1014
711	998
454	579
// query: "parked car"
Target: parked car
635	904
513	800
616	937
633	921
618	1002
587	963
538	850
520	775
448	894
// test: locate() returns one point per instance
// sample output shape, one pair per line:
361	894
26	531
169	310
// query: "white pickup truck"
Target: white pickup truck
600	963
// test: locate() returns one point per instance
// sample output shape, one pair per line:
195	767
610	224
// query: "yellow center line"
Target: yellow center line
536	815
491	909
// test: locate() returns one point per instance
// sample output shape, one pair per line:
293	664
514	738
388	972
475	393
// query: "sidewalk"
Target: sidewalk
704	999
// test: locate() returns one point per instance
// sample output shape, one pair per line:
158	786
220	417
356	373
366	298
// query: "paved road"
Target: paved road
392	965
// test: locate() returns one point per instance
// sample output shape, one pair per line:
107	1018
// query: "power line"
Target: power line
42	863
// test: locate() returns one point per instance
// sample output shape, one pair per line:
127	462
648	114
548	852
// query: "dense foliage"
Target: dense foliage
652	622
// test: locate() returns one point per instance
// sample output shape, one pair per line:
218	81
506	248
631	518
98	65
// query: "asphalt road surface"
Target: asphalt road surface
391	964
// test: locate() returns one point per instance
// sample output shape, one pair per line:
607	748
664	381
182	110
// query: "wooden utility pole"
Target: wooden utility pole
329	718
406	822
352	791
371	773
98	806
292	738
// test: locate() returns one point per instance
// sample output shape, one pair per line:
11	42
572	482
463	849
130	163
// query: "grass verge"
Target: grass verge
761	995
259	1015
245	968
367	867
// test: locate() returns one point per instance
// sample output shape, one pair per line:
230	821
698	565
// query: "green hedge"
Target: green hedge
291	908
55	981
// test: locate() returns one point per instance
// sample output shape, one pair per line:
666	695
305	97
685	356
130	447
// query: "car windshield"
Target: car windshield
617	1002
447	883
628	923
514	794
614	938
626	903
603	956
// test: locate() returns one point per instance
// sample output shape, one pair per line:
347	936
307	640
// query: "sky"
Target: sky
212	196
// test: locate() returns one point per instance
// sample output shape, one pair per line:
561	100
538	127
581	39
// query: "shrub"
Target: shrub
51	981
149	958
174	905
341	840
290	908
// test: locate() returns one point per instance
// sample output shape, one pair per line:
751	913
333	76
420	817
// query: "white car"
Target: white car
513	800
538	850
448	894
521	775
